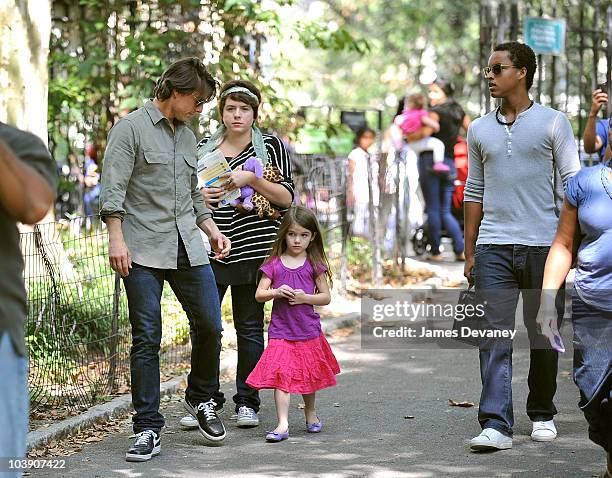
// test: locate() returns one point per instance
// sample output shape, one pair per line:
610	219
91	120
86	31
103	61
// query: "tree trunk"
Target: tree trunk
25	27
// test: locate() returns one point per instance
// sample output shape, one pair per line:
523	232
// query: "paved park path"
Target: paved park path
388	417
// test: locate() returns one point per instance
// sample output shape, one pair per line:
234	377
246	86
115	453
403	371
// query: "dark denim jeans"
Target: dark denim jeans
195	289
15	403
248	315
593	368
438	193
501	272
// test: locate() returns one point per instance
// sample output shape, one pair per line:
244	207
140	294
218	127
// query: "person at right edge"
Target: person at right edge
585	228
595	136
516	154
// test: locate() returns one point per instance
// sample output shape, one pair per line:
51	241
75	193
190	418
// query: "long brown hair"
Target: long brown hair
316	250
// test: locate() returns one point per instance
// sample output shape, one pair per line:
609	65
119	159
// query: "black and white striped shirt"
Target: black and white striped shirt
252	237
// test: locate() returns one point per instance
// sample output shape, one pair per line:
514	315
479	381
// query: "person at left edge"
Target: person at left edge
153	209
27	187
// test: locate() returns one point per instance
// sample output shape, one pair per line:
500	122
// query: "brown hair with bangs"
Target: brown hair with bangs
316	250
240	96
186	76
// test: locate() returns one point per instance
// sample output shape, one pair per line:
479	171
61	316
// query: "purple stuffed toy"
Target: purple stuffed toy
246	192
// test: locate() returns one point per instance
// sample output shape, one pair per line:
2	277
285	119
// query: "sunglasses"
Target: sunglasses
198	101
495	69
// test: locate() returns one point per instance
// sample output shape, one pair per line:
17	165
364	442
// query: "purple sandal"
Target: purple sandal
314	427
274	437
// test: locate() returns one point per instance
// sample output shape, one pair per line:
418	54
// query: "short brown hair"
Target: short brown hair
240	96
418	100
186	76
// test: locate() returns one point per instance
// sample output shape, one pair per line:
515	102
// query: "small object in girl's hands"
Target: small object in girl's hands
556	342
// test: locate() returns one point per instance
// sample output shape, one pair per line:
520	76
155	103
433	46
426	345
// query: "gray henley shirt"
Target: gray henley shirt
511	172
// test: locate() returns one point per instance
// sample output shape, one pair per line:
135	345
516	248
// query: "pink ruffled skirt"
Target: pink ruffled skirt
295	366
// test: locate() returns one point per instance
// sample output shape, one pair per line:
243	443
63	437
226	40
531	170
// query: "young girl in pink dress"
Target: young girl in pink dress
298	358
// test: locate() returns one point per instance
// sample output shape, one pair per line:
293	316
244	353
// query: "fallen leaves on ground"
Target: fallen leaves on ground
74	444
394	275
342	332
453	283
454	403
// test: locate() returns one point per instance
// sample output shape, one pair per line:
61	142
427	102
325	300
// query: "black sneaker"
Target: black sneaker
189	422
146	446
209	423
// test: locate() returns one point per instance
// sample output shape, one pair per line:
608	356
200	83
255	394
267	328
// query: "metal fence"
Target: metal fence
76	324
320	184
77	331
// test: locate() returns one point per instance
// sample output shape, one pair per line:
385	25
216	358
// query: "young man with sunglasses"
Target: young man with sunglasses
516	154
153	209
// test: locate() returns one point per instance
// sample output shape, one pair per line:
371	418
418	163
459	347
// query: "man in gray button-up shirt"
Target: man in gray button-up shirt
153	208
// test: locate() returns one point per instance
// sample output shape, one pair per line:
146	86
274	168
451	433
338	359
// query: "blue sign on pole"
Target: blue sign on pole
545	36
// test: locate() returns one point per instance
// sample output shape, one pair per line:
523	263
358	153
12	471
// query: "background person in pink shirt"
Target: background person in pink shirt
415	117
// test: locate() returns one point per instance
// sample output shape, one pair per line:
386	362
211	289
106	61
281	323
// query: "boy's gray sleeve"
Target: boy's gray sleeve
474	187
564	149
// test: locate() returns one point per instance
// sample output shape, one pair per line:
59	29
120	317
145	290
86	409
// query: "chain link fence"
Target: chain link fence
77	330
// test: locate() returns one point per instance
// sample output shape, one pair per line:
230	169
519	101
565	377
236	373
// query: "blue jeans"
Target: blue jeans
438	193
14	401
90	201
195	288
501	272
248	316
593	368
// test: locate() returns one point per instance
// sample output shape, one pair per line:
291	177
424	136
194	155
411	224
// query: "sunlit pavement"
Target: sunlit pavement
388	416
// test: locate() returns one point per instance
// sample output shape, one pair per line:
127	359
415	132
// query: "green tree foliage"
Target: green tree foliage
105	56
403	37
406	37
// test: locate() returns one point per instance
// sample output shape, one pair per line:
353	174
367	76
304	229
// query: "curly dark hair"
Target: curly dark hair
522	56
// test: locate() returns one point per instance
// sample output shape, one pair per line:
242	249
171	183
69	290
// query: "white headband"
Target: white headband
239	89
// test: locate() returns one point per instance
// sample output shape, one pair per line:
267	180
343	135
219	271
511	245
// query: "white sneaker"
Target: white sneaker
544	431
490	439
189	422
247	417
